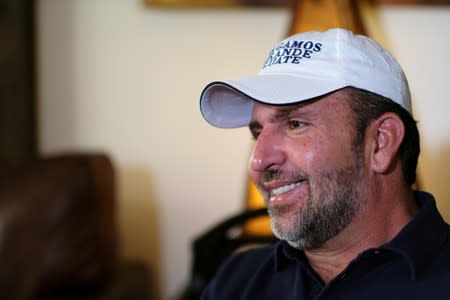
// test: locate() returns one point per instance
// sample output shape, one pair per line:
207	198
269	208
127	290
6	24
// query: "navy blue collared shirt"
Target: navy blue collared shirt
414	265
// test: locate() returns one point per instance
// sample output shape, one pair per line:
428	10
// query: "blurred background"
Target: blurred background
123	77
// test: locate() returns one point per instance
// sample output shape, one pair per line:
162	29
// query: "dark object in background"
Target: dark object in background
58	231
211	249
17	79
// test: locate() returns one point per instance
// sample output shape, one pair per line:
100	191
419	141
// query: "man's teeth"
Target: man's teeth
284	188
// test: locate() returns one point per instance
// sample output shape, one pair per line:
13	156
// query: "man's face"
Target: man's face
305	166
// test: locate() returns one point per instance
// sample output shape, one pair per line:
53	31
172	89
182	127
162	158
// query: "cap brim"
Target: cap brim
229	103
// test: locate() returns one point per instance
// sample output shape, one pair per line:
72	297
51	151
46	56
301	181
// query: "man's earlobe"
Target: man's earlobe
387	133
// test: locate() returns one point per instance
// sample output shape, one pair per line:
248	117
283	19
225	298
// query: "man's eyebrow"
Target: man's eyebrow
254	125
281	114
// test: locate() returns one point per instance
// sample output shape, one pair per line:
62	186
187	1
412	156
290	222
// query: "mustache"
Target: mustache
270	175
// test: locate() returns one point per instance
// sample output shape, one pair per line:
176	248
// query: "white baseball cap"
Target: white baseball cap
305	66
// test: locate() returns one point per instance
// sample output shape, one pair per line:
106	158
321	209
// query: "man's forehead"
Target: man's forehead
318	106
282	110
289	107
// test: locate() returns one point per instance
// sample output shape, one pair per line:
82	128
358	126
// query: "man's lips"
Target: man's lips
278	189
284	188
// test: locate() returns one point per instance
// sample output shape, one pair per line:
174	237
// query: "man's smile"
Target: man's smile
279	190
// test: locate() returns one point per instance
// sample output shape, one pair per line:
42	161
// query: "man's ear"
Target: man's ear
385	136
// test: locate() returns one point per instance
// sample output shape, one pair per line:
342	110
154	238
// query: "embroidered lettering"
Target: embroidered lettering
292	52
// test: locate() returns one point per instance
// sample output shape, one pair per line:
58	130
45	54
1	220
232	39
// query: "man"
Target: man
335	156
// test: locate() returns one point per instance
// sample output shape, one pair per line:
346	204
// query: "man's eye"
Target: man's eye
293	124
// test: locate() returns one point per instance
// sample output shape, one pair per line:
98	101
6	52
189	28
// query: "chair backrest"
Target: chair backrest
57	225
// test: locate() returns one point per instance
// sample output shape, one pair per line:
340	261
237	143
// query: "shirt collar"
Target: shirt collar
285	254
423	237
419	240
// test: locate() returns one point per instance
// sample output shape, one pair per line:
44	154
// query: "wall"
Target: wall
119	77
122	78
420	38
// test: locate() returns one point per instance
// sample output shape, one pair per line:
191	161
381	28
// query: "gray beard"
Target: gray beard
334	199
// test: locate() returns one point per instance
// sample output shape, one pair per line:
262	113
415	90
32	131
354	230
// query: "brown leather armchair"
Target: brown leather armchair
58	231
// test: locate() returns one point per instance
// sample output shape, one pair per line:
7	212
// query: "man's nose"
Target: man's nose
267	153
